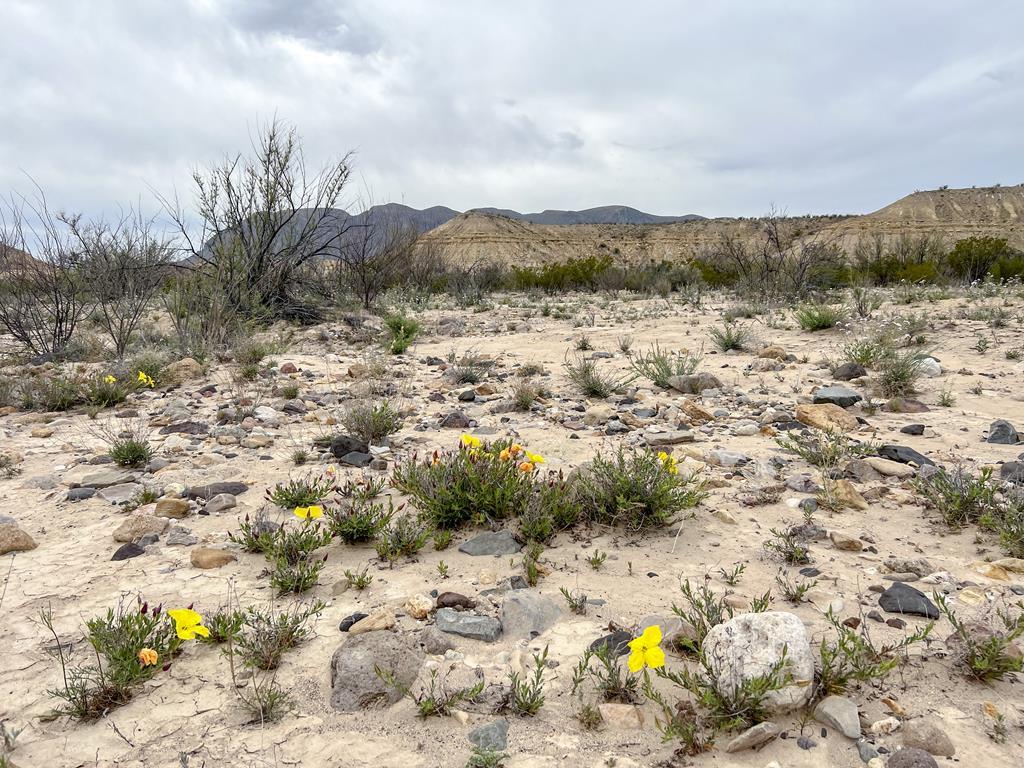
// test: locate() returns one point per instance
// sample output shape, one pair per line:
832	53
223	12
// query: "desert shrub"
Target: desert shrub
559	277
1009	523
403	537
131	451
301	492
224	624
149	362
402	331
468	368
899	371
372	422
553	506
611	683
475	484
960	497
972	257
987	653
703	610
255	535
730	336
819	317
525	394
435	699
117	665
590	380
360	519
636	488
527	695
786	545
266	634
660	365
823	448
106	390
59	392
867	351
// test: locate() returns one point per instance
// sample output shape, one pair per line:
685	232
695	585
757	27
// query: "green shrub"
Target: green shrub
590	381
960	497
899	371
151	363
372	422
404	537
106	391
819	317
402	331
986	653
730	336
635	488
360	520
584	273
660	365
301	492
972	257
266	634
131	452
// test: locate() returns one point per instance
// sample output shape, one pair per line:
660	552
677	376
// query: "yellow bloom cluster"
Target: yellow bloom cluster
108	379
527	460
187	623
670	462
309	513
146	380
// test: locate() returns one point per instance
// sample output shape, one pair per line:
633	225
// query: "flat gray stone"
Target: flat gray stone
491	543
753	737
107	478
354	683
119	494
525	613
492	736
471	625
844	397
840	713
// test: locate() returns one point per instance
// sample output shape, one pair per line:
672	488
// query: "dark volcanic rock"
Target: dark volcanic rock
456	420
1002	432
904	599
848	371
454	600
617	642
185	428
356	459
904	455
343	444
348	621
128	551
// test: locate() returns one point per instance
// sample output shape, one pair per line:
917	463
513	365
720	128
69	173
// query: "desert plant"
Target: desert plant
402	331
301	492
267	633
986	653
610	681
362	519
636	488
660	365
590	381
404	537
824	448
957	495
372	422
435	699
786	545
527	695
576	600
819	317
899	371
730	336
256	535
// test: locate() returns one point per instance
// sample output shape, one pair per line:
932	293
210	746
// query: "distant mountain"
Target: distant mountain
605	214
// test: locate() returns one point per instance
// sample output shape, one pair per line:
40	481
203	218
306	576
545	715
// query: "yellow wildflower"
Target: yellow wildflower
526	467
309	513
188	623
145	379
670	462
148	657
505	454
644	650
534	458
515	449
470	442
108	379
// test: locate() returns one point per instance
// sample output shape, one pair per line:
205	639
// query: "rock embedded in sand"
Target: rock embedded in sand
1002	432
175	509
137	525
695	383
525	613
209	557
849	371
928	734
107	478
747	646
841	396
127	552
13	539
491	543
622	717
911	757
471	625
826	416
213	489
354	682
491	736
840	713
754	737
904	455
119	494
375	622
419	606
904	599
180	371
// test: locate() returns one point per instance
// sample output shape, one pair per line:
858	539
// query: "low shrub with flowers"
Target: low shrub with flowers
129	645
475	484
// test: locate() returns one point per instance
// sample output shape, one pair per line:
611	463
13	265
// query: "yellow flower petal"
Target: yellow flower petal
655	658
635	661
651	636
199	629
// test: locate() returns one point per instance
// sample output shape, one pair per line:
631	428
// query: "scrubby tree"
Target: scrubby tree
262	220
374	253
972	257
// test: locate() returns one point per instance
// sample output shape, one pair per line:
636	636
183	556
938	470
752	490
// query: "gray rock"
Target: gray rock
911	758
1002	432
674	437
1012	472
119	494
356	459
435	642
294	406
617	642
748	645
467	396
493	736
178	536
213	489
128	551
928	734
724	458
753	737
107	478
695	383
904	599
355	685
866	750
913	429
471	625
491	543
220	502
848	371
456	420
841	396
840	713
342	445
185	428
802	483
525	613
81	494
904	455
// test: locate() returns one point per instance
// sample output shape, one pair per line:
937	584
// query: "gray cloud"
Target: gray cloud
672	107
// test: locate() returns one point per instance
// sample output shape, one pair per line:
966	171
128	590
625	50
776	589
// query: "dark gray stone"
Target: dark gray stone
1012	472
185	428
903	598
356	459
1002	432
80	494
128	551
695	383
904	455
213	489
348	621
471	625
913	429
354	683
841	396
467	396
456	420
617	642
343	444
909	757
491	543
455	600
493	736
848	371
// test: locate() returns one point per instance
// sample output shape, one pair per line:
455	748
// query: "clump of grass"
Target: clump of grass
587	377
602	668
404	537
402	331
301	492
251	352
636	488
525	394
987	653
819	317
484	757
106	391
435	699
960	497
358	580
824	448
127	442
266	635
576	600
583	343
526	370
255	535
372	422
899	372
731	336
787	546
660	365
115	669
527	695
360	520
469	368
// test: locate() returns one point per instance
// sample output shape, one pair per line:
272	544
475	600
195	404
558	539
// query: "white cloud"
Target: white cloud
672	107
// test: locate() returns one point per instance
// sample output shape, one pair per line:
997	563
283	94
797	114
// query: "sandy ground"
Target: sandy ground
191	709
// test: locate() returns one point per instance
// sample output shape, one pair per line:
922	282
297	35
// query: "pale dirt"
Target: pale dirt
192	708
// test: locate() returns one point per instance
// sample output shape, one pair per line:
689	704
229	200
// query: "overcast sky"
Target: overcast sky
717	108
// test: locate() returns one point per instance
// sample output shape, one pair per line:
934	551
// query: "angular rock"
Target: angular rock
107	478
748	645
1012	472
617	642
375	622
81	494
846	543
209	557
911	758
841	396
1002	432
180	371
695	412
695	383
213	489
454	600
356	459
753	737
175	509
904	599
435	642
913	429
220	502
13	539
342	445
840	713
128	551
351	620
185	428
354	683
471	625
492	736
904	455
119	494
845	495
525	614
848	371
491	543
826	416
456	420
621	717
673	437
136	526
178	536
419	606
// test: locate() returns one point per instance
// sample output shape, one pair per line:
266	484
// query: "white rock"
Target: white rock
930	367
747	646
